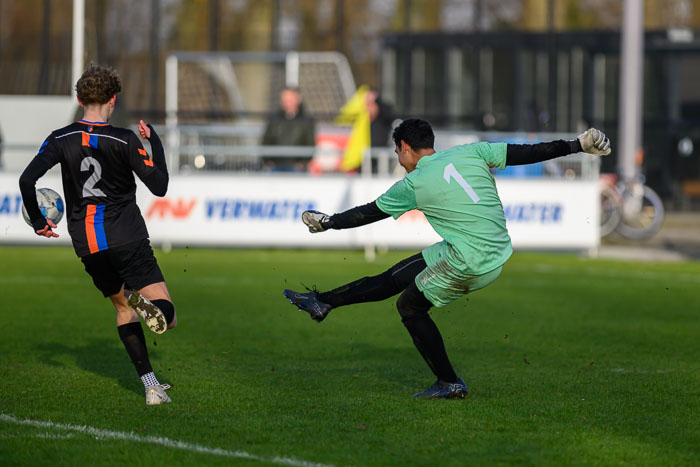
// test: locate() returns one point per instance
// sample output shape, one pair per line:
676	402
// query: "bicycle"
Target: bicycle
629	208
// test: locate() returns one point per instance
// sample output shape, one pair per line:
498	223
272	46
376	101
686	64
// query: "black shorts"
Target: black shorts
132	265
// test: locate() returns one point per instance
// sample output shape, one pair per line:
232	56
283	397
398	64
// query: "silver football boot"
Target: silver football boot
155	395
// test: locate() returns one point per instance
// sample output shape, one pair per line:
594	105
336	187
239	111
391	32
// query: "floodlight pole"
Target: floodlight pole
171	110
631	81
292	70
78	43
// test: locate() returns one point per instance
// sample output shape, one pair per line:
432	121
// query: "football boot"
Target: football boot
309	303
445	390
151	314
155	395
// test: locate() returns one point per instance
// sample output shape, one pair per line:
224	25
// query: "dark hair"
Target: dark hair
97	85
416	133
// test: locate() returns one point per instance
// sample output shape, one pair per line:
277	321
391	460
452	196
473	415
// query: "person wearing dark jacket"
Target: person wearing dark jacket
380	120
289	128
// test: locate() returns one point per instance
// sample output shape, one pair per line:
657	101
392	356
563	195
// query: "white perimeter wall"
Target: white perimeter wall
226	210
27	121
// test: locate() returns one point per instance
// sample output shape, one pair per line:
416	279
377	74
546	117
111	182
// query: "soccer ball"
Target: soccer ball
50	204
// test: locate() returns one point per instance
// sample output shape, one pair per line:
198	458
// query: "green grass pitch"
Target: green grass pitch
568	361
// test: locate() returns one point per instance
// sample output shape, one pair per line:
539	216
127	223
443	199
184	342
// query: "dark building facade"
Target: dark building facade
559	82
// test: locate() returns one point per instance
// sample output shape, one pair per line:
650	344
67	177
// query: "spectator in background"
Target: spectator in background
289	128
381	119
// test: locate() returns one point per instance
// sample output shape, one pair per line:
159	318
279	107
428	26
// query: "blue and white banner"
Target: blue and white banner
235	210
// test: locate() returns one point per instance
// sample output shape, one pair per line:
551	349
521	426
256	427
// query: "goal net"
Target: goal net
217	103
204	87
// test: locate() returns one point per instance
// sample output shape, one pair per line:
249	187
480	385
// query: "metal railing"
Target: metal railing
235	148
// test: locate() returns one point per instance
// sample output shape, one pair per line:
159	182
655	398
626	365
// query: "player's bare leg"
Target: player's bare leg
131	335
125	314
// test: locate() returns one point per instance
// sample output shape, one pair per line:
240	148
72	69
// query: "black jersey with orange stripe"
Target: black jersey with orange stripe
98	163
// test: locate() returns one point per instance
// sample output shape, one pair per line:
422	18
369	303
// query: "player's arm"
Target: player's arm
394	202
153	172
42	162
317	221
592	141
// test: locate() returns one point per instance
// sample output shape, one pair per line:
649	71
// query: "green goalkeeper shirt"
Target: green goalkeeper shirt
457	193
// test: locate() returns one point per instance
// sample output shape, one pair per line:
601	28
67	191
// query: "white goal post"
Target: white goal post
244	84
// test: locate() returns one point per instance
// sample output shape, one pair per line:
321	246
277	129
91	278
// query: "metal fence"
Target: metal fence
236	148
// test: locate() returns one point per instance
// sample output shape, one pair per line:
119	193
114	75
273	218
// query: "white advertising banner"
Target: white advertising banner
235	210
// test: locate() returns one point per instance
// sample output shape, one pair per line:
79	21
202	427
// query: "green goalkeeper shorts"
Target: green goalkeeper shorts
442	284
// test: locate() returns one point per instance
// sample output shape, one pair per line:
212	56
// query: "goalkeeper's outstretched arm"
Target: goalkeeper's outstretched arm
361	215
592	141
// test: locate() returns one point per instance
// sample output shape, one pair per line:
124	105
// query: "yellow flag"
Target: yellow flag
355	111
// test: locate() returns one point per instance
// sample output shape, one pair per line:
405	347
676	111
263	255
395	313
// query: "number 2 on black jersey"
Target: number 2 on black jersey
89	186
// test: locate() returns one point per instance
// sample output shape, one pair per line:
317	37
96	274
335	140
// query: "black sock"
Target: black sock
376	288
367	289
134	341
167	308
428	341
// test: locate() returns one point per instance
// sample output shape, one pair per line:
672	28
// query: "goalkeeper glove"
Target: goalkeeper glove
594	141
316	221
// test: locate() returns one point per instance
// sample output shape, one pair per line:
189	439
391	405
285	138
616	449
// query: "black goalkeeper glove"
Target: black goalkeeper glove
316	221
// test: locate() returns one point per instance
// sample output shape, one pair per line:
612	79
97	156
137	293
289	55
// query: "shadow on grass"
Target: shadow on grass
103	357
360	361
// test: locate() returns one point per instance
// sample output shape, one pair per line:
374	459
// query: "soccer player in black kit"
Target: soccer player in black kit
105	224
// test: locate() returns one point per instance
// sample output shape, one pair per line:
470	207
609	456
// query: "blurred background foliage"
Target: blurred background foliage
136	36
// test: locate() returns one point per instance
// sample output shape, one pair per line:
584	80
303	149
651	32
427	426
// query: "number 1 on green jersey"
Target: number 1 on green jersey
451	172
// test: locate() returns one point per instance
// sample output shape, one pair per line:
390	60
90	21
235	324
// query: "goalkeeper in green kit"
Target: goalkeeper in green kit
457	193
